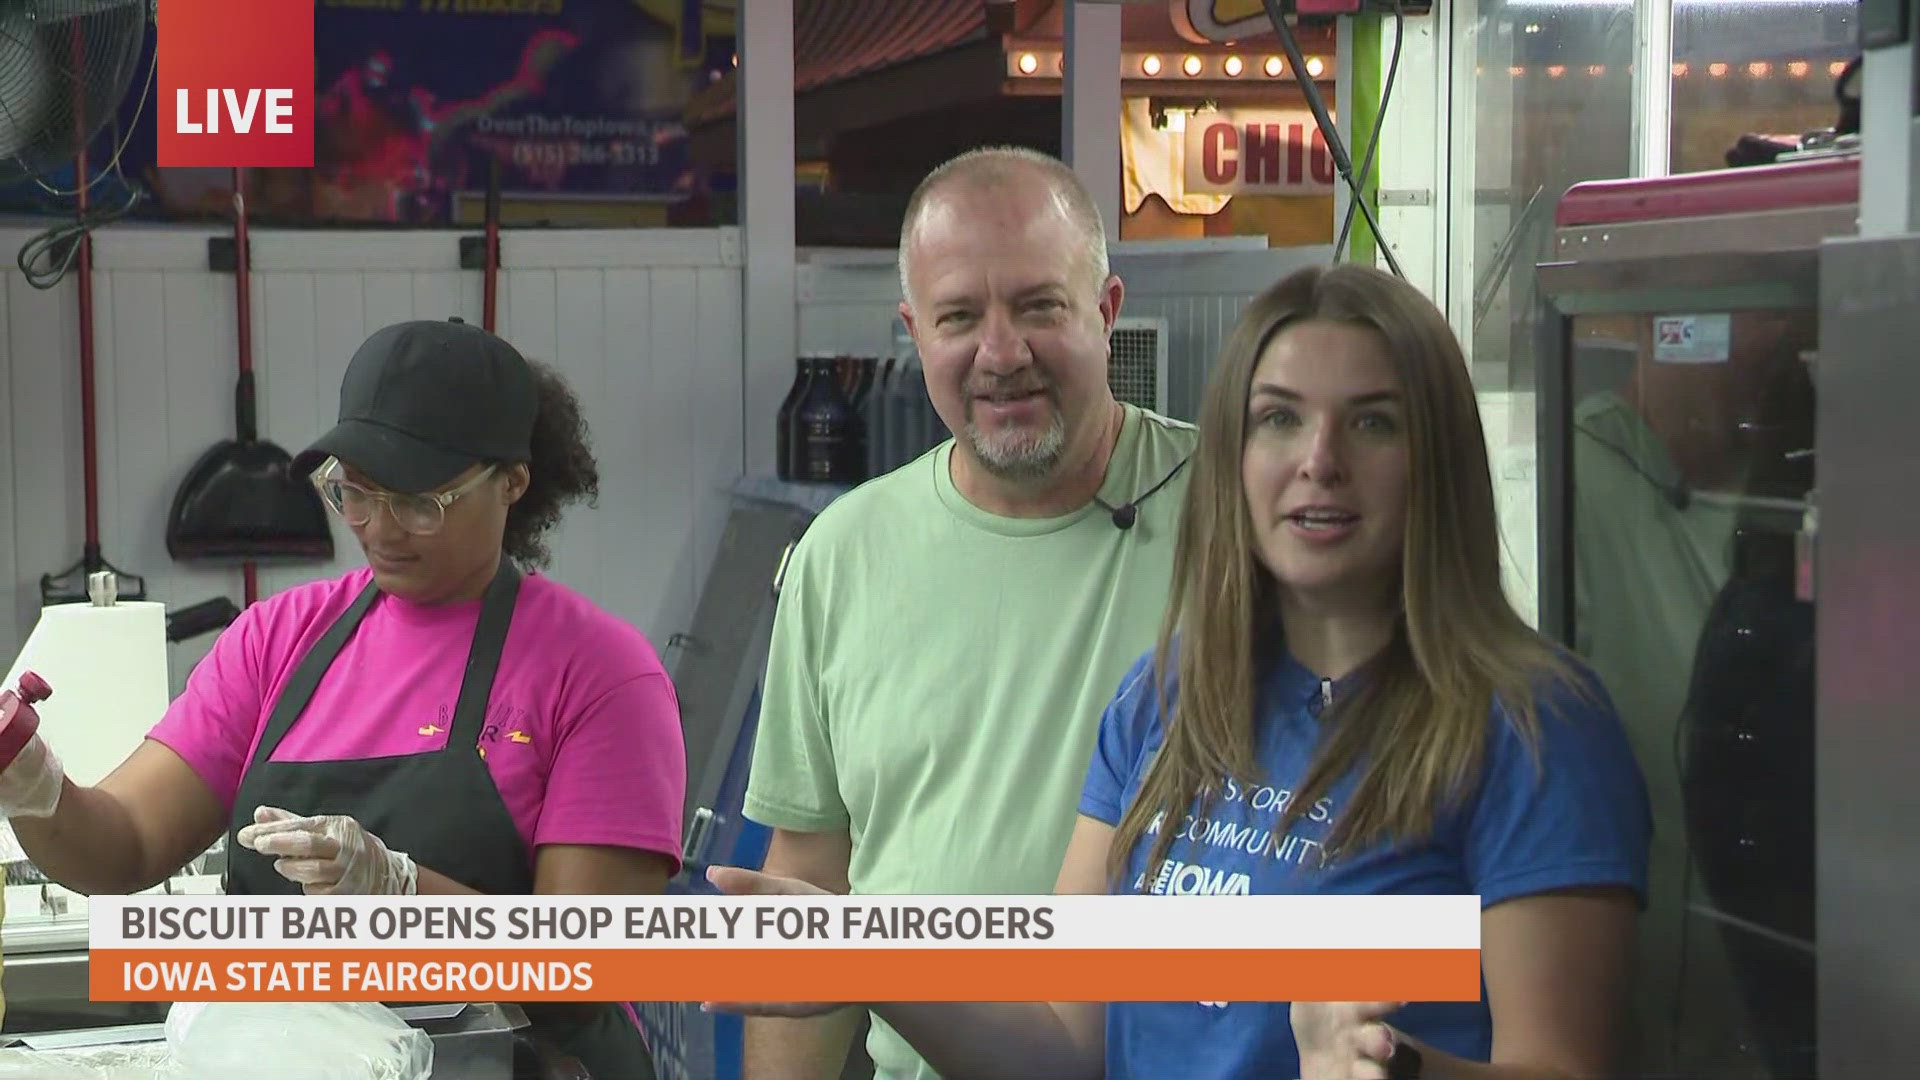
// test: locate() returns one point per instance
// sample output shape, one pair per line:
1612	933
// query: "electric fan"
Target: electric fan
65	67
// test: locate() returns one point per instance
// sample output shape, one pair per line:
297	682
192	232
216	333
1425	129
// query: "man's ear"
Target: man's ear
1112	292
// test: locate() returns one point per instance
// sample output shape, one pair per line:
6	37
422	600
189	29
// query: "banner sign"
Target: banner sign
404	108
420	98
1257	152
826	948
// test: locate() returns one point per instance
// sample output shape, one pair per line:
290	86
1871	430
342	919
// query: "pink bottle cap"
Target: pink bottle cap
18	721
34	688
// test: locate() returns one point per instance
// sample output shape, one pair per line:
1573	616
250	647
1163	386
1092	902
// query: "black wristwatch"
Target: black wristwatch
1405	1063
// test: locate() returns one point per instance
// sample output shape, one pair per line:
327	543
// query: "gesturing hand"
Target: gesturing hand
329	854
1343	1040
735	881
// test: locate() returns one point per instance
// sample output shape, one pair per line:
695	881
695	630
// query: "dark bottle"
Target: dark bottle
855	468
823	422
783	427
873	417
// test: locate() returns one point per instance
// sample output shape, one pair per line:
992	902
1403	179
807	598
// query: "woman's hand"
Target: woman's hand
735	881
1343	1040
31	784
329	854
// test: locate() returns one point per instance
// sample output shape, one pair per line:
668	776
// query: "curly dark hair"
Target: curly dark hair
561	470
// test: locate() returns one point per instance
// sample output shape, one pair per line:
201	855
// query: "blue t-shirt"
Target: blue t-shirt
1577	815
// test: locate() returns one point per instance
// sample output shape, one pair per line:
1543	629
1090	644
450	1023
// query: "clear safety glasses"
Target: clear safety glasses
421	515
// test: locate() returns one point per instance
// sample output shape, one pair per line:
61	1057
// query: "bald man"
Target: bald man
949	634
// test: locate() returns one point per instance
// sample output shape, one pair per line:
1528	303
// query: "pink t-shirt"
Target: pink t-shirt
582	734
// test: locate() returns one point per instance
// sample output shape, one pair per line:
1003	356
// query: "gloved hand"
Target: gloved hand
32	782
329	854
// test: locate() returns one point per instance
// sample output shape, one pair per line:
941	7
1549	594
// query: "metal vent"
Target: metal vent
1137	363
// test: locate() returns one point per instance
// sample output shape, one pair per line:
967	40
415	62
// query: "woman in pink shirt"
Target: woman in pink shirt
439	721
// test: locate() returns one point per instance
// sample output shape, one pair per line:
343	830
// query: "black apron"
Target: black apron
440	807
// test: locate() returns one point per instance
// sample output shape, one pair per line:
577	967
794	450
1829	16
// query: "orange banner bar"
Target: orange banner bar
419	975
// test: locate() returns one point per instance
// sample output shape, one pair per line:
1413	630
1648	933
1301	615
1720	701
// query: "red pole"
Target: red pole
243	306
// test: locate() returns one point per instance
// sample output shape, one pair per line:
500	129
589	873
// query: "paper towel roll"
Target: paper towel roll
108	670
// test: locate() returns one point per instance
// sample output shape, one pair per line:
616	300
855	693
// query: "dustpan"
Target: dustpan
242	501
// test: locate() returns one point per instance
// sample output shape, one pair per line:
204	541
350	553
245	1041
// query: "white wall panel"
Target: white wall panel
10	573
43	402
644	325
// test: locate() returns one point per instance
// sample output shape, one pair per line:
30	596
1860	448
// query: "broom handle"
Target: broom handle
89	455
489	299
243	306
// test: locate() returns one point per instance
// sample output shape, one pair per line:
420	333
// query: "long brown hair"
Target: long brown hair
1417	727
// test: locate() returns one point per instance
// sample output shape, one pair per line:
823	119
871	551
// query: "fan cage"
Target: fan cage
65	67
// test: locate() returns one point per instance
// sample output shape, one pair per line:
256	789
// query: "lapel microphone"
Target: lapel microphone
1128	512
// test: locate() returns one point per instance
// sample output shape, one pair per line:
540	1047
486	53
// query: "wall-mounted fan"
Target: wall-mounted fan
65	69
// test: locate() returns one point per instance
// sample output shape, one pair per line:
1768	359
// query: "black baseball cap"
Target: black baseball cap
423	402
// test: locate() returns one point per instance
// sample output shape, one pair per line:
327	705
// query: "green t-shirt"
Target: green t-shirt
937	674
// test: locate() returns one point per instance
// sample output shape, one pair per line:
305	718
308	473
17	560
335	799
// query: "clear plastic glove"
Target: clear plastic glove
30	787
329	854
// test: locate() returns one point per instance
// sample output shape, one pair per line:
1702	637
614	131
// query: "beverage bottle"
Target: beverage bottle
823	422
783	426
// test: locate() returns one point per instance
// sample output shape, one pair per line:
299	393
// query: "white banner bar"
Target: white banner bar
857	922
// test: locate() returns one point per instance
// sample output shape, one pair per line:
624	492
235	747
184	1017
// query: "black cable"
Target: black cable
67	236
1126	513
45	244
1341	160
1379	122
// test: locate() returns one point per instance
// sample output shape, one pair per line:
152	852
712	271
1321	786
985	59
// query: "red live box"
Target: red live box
236	84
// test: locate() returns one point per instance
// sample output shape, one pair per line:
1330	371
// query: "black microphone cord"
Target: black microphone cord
1127	513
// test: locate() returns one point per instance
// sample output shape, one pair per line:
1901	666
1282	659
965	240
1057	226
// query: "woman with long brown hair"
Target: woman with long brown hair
1343	702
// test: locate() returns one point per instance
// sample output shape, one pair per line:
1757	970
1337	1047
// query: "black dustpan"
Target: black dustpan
242	501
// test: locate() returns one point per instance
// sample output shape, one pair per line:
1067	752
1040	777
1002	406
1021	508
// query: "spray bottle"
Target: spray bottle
18	721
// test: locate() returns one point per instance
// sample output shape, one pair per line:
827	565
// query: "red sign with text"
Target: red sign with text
236	84
1256	152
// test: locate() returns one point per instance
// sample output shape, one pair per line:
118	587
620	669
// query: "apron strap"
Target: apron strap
306	678
483	659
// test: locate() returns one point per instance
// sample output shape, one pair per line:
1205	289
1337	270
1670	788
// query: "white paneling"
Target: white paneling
639	577
10	572
528	311
644	324
671	467
620	249
44	402
719	450
580	354
387	298
283	320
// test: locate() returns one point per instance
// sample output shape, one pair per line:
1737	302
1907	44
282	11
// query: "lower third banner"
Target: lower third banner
837	948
